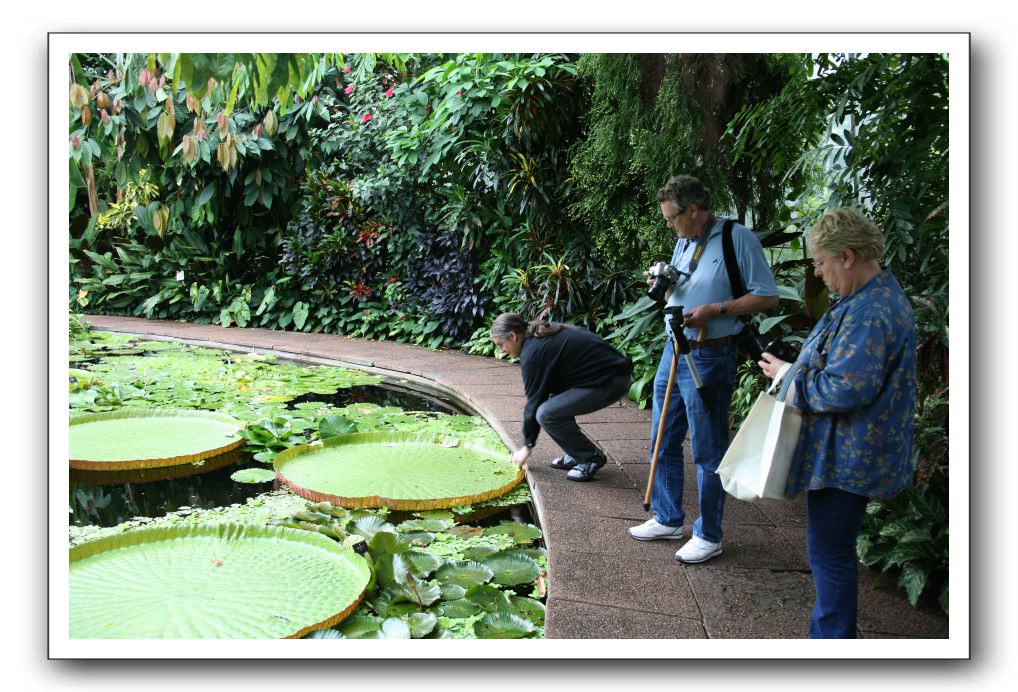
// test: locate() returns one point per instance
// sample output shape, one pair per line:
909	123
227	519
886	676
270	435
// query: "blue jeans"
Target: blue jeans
708	436
834	518
557	415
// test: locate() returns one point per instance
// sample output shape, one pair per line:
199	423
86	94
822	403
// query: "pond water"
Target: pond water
110	498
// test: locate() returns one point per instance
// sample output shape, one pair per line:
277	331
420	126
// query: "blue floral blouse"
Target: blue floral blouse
857	390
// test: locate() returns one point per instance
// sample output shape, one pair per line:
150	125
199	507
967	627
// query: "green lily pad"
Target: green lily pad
396	470
152	438
465	574
521	533
253	476
512	568
221	581
502	625
529	608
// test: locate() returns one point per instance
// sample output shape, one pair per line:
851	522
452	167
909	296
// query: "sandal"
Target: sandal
585	471
563	462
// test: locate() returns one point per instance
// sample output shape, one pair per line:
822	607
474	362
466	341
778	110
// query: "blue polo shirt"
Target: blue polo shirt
709	283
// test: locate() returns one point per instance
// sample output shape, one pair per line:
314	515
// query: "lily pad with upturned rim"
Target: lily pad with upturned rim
222	581
154	438
399	471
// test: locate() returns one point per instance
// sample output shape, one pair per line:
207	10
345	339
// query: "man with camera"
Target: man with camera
698	279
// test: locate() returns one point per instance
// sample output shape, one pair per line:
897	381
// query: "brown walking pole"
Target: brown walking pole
661	424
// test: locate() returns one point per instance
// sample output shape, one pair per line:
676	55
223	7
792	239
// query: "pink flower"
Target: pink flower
388	93
346	69
459	91
367	117
348	90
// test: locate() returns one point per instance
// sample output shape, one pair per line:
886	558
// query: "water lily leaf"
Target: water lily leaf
370	525
422	624
336	425
502	625
424	525
362	626
512	568
436	514
358	470
459	608
212	581
424	563
452	592
149	439
383	541
521	533
395	628
479	552
465	531
529	608
326	634
253	476
464	574
490	598
421	593
420	538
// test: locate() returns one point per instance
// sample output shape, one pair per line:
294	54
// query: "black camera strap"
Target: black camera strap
731	264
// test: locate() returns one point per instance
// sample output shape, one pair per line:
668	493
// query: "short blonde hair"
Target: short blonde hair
844	229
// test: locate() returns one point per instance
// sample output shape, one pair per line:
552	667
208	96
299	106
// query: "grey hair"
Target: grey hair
684	190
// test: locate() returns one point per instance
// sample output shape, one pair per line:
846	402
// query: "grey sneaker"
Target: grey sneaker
651	530
698	550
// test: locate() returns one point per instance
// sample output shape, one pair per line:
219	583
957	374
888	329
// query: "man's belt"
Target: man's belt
723	341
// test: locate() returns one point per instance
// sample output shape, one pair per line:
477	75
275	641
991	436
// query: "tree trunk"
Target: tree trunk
93	196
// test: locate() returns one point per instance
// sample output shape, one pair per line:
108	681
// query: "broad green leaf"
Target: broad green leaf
253	476
529	608
149	438
512	568
396	470
502	625
331	426
465	574
211	581
459	608
422	624
395	628
521	533
490	598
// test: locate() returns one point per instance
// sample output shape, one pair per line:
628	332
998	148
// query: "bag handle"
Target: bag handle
786	374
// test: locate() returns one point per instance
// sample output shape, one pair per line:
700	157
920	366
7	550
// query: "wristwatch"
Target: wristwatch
722	310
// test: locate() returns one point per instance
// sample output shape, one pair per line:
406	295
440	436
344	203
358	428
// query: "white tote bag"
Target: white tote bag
758	461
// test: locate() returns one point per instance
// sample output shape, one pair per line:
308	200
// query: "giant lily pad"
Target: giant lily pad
140	439
399	471
221	581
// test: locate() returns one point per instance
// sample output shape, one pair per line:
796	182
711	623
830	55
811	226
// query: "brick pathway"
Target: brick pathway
604	584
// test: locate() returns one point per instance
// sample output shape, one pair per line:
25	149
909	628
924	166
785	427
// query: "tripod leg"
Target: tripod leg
661	425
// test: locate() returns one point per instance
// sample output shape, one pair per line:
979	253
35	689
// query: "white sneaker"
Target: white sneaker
651	530
698	550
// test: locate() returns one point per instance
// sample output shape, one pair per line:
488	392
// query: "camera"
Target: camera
665	276
748	341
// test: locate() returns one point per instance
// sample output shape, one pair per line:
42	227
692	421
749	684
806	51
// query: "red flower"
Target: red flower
348	90
361	291
404	318
346	69
367	117
393	279
459	91
388	93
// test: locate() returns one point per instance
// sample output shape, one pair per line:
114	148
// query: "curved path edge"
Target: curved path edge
602	583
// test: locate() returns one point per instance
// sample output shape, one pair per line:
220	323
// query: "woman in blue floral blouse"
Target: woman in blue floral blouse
856	388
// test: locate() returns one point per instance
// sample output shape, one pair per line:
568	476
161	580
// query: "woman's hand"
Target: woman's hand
521	455
770	365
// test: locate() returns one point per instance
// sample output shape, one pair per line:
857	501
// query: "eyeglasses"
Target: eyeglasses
820	264
669	219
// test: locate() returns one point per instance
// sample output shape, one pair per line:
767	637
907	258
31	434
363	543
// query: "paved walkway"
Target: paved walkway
604	584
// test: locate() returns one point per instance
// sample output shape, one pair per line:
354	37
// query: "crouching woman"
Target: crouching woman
567	371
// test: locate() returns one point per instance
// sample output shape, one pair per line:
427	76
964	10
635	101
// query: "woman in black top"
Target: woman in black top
567	371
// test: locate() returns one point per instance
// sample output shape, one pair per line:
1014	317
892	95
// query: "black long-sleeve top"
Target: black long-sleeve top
568	359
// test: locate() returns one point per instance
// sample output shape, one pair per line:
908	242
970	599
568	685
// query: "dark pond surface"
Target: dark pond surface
108	498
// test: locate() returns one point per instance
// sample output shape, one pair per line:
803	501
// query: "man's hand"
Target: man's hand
521	455
699	316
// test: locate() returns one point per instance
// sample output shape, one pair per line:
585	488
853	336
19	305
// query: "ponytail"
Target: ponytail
510	323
